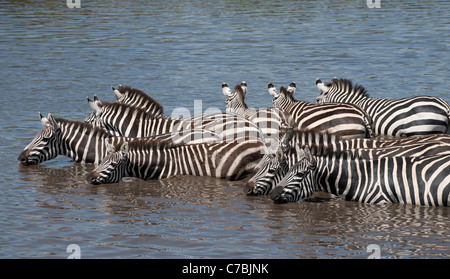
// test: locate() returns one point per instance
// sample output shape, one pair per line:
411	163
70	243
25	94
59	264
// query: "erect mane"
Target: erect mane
289	95
133	91
346	85
240	94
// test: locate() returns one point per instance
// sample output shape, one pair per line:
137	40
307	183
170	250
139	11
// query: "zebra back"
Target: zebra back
411	116
344	120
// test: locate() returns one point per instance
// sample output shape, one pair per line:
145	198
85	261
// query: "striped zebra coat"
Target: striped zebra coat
268	120
129	96
273	166
130	121
420	115
136	97
423	180
84	143
153	160
344	120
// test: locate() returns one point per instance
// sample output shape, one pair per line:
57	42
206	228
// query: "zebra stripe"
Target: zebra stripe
154	160
421	180
269	173
268	120
130	121
137	98
344	120
84	143
420	115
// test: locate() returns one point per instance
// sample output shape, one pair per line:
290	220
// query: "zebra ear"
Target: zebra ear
116	93
124	148
44	120
109	147
300	152
94	106
308	154
52	122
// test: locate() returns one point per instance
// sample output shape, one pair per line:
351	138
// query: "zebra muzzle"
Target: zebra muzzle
277	195
92	178
24	158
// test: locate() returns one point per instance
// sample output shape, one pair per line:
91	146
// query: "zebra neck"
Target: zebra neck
82	142
282	103
335	174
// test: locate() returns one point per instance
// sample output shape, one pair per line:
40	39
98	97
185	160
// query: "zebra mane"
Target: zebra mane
133	91
346	85
240	94
289	95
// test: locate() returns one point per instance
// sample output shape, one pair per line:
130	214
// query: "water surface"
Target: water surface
181	51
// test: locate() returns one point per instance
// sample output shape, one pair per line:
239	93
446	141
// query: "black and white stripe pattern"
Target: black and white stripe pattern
410	116
130	121
268	120
421	180
153	160
136	97
344	120
84	143
270	171
235	101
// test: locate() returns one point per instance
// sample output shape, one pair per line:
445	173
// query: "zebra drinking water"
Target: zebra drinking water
153	160
84	143
423	180
410	116
344	120
273	166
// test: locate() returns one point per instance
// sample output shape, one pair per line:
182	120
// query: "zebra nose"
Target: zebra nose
248	188
92	178
277	195
23	157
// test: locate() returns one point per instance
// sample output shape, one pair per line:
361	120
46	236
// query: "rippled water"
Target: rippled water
52	57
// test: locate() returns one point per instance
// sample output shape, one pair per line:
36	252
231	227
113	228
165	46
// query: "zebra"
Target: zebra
269	120
157	160
130	121
420	115
130	96
273	166
423	180
345	120
235	101
84	143
136	97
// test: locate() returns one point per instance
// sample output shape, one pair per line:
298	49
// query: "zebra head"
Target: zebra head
298	183
340	90
112	168
269	170
45	145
